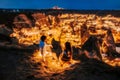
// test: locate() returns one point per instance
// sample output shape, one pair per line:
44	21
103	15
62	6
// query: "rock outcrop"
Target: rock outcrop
22	21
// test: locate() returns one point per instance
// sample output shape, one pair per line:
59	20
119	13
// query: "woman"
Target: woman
41	45
67	54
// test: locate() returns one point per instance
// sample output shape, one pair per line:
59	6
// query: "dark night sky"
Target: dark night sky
67	4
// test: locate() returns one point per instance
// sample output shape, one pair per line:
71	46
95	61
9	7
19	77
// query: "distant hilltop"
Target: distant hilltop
57	8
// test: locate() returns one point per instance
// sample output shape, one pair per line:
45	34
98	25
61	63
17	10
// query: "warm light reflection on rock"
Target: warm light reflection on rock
114	62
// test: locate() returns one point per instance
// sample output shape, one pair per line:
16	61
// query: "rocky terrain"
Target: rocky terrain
17	65
88	32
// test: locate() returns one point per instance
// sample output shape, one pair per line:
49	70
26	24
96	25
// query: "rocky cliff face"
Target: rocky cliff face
5	33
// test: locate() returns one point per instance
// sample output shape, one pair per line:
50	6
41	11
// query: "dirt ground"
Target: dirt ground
16	64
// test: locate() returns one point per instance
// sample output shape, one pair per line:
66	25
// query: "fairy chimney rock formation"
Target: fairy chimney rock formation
22	21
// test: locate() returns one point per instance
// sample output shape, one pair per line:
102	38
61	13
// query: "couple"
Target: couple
66	54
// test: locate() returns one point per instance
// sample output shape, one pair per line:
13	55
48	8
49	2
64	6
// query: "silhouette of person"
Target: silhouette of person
67	54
